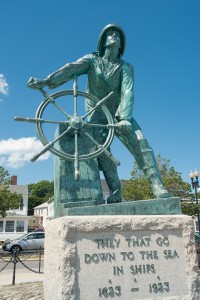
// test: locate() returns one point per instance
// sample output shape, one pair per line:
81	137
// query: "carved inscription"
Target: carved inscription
133	266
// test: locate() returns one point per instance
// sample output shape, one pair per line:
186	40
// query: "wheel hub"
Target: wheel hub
76	122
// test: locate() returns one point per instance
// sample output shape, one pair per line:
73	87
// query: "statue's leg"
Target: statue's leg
111	176
109	169
144	156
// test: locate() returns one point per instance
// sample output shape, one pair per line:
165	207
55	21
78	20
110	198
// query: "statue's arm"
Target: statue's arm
64	74
125	109
68	71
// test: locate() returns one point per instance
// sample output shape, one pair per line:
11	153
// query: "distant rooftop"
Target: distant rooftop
43	205
19	189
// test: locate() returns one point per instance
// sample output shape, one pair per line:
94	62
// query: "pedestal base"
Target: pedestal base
165	206
125	257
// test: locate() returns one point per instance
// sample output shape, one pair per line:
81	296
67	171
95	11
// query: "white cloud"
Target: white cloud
16	153
3	85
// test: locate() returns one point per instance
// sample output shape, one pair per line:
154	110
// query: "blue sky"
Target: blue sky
163	44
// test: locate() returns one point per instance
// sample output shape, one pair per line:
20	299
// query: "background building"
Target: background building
15	224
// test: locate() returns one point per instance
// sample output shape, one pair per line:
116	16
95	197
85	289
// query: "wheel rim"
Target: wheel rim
61	153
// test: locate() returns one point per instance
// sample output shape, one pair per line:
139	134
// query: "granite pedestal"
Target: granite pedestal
149	257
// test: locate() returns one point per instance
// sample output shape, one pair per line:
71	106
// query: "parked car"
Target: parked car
29	241
197	239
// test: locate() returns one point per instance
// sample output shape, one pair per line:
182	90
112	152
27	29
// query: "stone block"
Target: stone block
121	257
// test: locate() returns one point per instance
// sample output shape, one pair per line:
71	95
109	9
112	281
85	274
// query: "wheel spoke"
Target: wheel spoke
34	120
76	162
97	105
46	148
101	125
75	88
44	93
60	109
107	153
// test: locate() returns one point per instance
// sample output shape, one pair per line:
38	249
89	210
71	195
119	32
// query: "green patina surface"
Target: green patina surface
75	193
168	206
110	80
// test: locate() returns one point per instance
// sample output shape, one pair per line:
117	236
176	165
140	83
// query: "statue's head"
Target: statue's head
103	38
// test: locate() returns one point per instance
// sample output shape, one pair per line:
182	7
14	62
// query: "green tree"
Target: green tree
8	199
138	188
39	193
190	209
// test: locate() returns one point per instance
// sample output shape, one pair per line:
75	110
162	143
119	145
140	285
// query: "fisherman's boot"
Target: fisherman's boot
156	183
114	186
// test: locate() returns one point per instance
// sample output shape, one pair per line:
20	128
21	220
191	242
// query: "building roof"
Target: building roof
50	200
15	215
43	205
19	189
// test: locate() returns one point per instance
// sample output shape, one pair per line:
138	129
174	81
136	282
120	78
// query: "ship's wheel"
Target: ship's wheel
75	124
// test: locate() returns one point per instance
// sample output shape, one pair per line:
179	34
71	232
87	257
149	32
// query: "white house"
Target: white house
44	212
50	212
41	212
15	224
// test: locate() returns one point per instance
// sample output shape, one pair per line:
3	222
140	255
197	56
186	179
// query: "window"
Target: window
1	226
20	226
31	236
9	226
40	235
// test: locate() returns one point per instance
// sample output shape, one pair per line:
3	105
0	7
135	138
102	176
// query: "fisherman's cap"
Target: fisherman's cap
102	37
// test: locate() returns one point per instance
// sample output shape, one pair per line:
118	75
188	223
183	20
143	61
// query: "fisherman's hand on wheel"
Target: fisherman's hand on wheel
35	83
124	126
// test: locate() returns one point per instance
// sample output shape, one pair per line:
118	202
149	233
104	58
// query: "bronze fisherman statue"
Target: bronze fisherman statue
108	72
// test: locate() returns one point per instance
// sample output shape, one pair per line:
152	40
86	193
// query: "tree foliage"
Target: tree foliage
8	200
39	193
190	209
138	188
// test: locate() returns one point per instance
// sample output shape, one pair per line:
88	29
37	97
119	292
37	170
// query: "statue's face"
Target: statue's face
112	37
